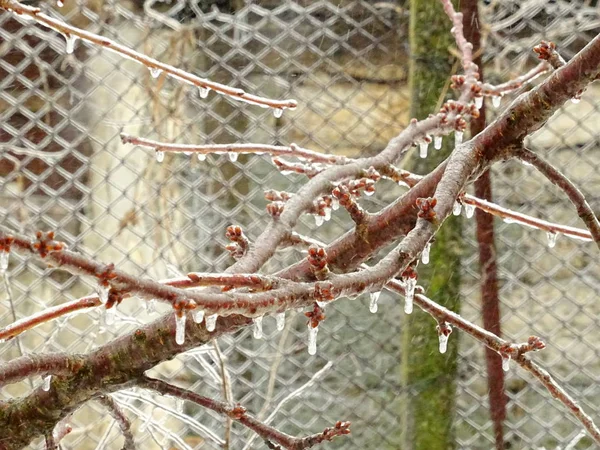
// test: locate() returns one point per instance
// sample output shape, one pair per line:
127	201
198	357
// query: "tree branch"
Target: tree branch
121	420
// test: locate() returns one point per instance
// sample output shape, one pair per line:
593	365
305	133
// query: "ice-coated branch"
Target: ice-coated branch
547	52
256	149
122	420
72	33
515	83
240	414
555	176
30	365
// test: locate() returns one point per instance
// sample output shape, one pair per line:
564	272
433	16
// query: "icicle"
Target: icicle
368	193
458	137
443	342
233	156
575	100
199	316
180	328
478	102
211	322
155	72
551	238
203	91
160	156
46	384
109	315
496	100
425	253
335	204
327	215
322	304
506	363
70	39
457	208
60	3
278	112
374	299
423	149
469	210
280	318
201	157
319	220
179	403
4	261
258	330
437	142
409	285
103	292
150	306
312	339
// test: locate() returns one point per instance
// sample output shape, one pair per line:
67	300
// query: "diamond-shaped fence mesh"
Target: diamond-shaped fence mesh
346	63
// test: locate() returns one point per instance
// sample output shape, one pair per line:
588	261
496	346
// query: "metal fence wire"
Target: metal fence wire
346	63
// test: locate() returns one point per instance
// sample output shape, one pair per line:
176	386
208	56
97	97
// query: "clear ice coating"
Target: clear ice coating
211	322
109	315
233	156
410	284
437	142
551	238
443	342
575	100
160	155
457	208
423	146
258	329
179	403
312	339
319	220
70	40
103	292
425	253
278	112
496	100
150	306
60	3
46	383
203	91
280	318
335	204
155	72
478	102
199	316
469	210
4	261
505	363
374	296
201	157
180	328
458	137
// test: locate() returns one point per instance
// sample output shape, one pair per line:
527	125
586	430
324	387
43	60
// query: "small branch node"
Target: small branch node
317	258
316	316
45	244
275	209
426	209
547	52
240	243
344	195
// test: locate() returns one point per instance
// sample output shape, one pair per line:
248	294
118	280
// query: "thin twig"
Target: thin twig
227	394
121	419
72	32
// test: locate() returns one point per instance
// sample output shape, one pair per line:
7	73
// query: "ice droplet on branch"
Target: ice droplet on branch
201	157
469	210
374	296
211	322
233	156
551	238
103	292
575	100
457	208
180	328
437	142
160	156
60	3
423	146
70	40
496	100
199	316
319	220
505	363
443	342
150	306
478	102
46	383
4	261
425	253
280	318
458	137
278	112
312	339
155	72
203	91
258	329
410	283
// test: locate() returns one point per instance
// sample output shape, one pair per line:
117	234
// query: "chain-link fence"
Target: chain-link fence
346	63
